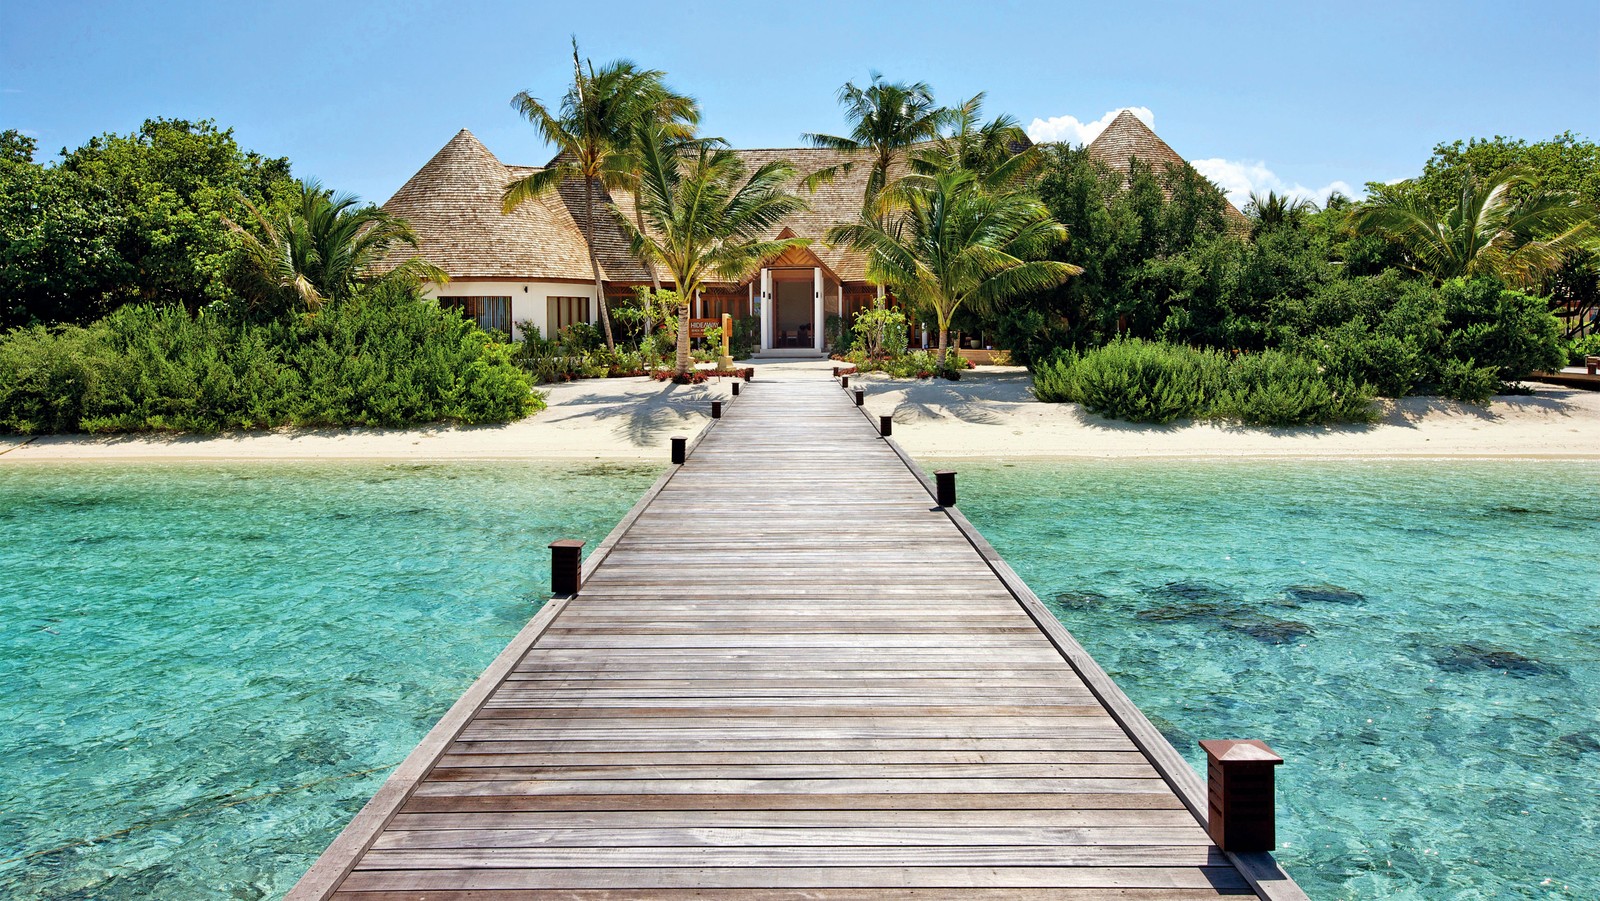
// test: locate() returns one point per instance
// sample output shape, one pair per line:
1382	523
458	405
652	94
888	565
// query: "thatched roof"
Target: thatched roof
453	204
1127	137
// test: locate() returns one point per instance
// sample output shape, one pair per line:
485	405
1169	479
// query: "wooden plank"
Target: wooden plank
789	674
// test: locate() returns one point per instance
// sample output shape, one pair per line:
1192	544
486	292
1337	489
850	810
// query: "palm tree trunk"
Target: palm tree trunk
944	339
594	263
638	221
683	339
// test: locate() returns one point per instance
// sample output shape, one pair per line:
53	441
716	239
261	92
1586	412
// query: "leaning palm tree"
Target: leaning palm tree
942	242
706	216
1489	231
887	118
999	151
591	130
319	246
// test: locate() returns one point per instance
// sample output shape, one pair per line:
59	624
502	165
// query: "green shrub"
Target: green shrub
880	330
1580	348
1143	381
1512	333
1393	364
1280	389
1052	379
379	359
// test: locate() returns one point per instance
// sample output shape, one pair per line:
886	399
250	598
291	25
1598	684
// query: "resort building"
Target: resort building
532	266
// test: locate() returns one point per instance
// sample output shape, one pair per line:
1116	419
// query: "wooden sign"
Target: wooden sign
697	327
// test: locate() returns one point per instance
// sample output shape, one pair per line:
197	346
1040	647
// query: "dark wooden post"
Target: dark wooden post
861	396
680	448
844	381
1592	364
1240	811
945	481
885	426
749	374
716	409
735	389
835	372
566	566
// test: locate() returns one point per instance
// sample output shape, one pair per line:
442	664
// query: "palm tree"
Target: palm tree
318	246
999	152
947	242
591	131
888	117
1277	210
706	215
1489	231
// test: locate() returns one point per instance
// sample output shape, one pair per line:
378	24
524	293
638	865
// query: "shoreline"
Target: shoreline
989	415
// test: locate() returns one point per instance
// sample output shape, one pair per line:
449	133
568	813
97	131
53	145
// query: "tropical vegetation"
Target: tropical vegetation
169	281
706	215
595	130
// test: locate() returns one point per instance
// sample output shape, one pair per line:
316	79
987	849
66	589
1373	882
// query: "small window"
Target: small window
490	313
564	311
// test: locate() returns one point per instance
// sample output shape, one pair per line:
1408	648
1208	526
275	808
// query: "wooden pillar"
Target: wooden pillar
716	409
699	306
885	426
819	314
680	449
861	396
1240	812
944	481
566	566
766	309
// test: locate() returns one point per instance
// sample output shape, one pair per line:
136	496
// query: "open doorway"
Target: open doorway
793	311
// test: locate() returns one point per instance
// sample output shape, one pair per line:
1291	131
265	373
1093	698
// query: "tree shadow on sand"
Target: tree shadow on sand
640	419
973	399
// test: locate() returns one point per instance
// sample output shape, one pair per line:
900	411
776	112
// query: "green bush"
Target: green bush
1580	348
1279	389
379	359
1143	381
1512	333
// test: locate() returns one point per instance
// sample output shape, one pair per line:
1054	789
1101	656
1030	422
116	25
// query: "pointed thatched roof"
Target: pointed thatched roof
1127	137
453	204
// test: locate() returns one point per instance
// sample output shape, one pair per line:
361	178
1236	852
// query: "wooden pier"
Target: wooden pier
789	674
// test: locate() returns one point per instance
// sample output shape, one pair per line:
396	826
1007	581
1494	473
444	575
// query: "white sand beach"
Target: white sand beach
989	413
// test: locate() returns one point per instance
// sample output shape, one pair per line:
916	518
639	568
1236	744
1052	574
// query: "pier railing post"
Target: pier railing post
566	566
680	449
716	409
1241	810
861	397
885	426
944	481
844	381
736	389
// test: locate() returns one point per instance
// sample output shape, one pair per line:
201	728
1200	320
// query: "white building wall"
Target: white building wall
529	300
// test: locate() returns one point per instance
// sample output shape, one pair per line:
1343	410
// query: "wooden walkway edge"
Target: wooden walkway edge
790	675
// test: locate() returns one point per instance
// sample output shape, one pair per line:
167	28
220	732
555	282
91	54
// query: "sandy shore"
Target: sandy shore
989	413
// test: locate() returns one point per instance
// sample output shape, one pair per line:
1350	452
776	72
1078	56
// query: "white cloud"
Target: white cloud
1071	131
1240	177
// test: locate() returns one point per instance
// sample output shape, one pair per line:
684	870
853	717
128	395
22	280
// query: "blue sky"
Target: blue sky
360	95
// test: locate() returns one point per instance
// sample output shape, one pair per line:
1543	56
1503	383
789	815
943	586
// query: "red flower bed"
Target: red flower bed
698	376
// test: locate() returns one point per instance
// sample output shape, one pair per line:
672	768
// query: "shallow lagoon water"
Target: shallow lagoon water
1420	640
208	669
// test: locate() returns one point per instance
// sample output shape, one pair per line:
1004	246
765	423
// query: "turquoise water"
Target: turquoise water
1421	641
208	669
